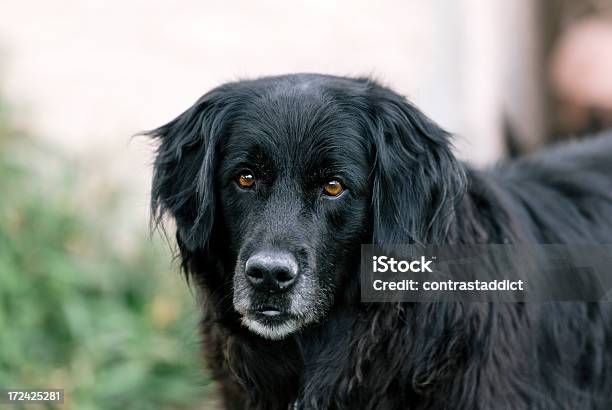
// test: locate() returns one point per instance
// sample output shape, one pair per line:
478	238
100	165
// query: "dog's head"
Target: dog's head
274	184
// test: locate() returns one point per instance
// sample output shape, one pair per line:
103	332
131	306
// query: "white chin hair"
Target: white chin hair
276	332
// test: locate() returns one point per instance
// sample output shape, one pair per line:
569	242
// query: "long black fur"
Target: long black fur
387	356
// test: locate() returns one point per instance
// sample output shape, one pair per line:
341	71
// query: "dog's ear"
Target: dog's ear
417	180
184	167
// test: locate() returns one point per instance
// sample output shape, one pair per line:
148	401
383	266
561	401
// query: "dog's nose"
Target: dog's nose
271	270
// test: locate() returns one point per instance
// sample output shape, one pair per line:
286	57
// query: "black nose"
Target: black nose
271	270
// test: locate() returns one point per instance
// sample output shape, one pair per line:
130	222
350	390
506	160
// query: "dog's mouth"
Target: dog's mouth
269	315
271	322
269	312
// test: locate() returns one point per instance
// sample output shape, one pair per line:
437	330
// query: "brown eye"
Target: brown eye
246	180
333	188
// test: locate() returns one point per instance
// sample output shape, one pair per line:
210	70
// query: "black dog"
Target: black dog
275	183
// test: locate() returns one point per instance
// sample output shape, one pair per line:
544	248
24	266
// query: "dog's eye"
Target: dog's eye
246	179
333	188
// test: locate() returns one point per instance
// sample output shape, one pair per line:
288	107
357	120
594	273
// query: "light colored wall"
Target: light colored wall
89	74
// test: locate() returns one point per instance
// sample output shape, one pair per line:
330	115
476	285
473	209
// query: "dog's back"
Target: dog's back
565	193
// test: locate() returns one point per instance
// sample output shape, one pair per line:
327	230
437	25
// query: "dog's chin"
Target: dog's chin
276	317
271	329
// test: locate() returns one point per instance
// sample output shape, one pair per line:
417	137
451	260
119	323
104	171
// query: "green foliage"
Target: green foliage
111	324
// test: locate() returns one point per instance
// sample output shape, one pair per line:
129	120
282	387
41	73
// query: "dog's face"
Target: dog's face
275	183
293	181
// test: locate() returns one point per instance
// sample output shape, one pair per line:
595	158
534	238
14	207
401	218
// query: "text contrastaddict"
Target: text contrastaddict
449	285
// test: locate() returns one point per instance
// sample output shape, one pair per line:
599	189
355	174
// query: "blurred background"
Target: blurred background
93	303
